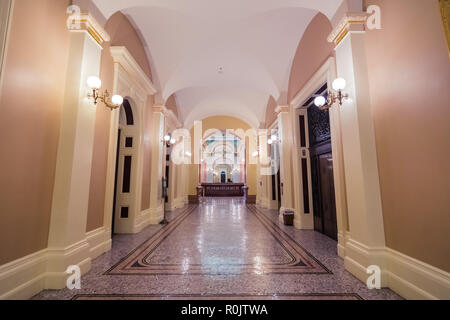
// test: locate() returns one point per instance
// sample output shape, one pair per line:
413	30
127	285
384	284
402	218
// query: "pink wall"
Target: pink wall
30	107
271	116
122	33
409	73
171	104
312	52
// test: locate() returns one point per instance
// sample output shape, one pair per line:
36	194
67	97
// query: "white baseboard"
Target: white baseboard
99	241
264	203
25	277
59	259
414	279
156	215
341	245
409	277
176	204
143	221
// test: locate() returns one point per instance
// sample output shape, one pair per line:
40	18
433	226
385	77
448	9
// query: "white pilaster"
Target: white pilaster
286	146
156	199
67	244
365	218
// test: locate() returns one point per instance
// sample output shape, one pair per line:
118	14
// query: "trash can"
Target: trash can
288	217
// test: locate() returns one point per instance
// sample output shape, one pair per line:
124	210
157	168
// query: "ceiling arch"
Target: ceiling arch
253	42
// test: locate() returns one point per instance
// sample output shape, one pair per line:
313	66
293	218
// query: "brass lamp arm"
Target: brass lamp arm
96	96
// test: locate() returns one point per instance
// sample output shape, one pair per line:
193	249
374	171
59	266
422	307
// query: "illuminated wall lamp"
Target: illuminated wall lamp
273	139
334	96
94	83
168	140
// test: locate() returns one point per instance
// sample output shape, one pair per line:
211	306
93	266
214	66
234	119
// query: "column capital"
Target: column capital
282	109
351	22
85	22
159	109
169	115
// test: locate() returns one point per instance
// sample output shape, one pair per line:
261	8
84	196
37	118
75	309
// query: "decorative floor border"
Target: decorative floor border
301	261
230	297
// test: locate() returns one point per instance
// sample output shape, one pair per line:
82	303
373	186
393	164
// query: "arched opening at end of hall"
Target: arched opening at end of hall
223	169
124	193
316	165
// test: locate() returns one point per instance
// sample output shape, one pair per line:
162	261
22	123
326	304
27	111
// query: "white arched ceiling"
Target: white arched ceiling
253	40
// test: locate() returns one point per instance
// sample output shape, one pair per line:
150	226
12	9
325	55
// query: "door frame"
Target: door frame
274	187
325	74
131	82
6	10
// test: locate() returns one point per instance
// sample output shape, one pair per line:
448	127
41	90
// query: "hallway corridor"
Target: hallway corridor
223	249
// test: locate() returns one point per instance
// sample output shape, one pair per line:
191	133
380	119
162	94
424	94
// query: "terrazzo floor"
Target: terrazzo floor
220	249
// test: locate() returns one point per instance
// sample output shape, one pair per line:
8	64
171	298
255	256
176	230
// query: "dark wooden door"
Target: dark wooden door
324	200
323	191
328	200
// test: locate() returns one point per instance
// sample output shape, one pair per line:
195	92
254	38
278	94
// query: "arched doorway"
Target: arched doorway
124	205
223	156
223	168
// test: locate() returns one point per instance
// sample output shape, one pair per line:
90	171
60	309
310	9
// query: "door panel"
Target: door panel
327	195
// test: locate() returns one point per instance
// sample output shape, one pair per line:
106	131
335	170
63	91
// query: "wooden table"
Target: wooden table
223	189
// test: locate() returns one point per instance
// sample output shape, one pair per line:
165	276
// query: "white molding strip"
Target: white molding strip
410	278
414	279
320	77
176	204
123	57
25	277
6	13
143	221
156	215
99	241
85	22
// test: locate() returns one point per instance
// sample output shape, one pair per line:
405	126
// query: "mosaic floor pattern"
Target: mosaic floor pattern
238	241
221	249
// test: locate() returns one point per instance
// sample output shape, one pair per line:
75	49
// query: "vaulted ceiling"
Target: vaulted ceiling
254	41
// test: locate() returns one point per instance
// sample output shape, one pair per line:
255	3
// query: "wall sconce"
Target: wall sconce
94	83
168	140
255	154
273	139
334	96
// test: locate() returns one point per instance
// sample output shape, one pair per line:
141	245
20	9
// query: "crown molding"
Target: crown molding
87	23
123	57
351	22
281	109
